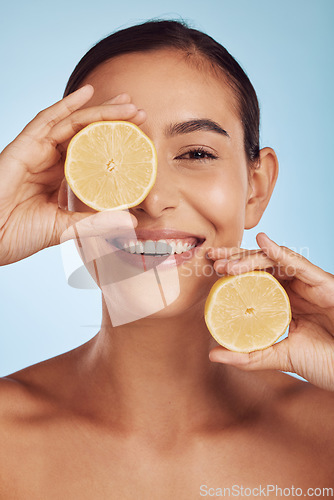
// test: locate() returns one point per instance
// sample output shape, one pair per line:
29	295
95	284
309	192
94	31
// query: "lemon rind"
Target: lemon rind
210	302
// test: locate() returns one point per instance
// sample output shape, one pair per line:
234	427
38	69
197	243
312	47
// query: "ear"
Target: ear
262	180
63	195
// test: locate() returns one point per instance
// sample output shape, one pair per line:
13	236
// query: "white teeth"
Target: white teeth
172	245
139	247
149	247
132	247
160	247
179	247
189	247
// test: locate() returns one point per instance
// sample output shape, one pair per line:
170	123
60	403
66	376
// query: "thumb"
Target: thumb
275	357
73	225
64	221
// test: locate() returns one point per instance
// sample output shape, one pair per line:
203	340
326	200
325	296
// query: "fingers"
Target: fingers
236	261
275	357
283	263
291	264
82	225
68	127
215	253
119	99
49	117
62	120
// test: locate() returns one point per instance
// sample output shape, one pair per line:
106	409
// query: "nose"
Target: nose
164	196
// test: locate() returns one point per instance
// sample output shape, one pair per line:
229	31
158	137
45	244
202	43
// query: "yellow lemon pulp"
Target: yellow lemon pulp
247	312
111	165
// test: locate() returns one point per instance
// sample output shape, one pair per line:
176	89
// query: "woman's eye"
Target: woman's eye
197	154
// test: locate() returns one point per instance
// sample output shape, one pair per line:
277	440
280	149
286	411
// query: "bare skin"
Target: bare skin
141	411
254	428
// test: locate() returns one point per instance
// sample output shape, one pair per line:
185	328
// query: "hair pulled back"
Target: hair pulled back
157	34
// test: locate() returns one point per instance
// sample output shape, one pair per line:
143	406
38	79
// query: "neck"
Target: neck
156	374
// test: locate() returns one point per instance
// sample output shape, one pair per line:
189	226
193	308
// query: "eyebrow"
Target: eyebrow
194	126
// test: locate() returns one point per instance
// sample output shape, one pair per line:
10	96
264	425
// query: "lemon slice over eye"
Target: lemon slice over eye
247	312
111	165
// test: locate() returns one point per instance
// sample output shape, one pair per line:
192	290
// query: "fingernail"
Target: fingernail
121	94
266	236
143	112
234	258
114	98
86	87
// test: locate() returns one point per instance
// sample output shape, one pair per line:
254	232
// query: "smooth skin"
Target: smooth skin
141	411
309	348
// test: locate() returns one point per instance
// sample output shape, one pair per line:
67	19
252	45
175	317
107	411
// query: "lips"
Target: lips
147	261
169	236
163	234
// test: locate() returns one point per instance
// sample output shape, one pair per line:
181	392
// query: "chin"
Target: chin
145	296
180	307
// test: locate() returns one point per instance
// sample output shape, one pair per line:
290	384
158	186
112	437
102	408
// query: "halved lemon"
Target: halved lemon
111	165
247	312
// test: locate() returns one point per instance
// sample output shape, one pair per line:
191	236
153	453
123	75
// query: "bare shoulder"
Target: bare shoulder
36	389
23	394
20	407
33	419
309	402
13	395
32	401
299	399
305	409
296	420
16	399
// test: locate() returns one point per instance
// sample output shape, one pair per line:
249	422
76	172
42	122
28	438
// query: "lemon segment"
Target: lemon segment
247	312
111	165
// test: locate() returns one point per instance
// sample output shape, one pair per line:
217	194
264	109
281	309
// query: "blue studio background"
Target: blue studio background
285	47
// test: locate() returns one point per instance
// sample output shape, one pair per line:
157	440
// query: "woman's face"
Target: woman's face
202	193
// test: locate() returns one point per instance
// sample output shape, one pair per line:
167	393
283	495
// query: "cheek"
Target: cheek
221	201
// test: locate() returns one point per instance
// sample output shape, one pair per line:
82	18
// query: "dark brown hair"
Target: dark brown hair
156	34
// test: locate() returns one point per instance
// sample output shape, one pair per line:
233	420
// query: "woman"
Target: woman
154	408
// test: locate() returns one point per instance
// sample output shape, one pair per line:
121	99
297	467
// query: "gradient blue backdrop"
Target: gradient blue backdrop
285	47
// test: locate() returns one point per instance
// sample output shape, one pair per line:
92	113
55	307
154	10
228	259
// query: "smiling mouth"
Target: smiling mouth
159	248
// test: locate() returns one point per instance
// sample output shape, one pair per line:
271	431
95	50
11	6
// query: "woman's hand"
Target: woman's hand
32	170
309	348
